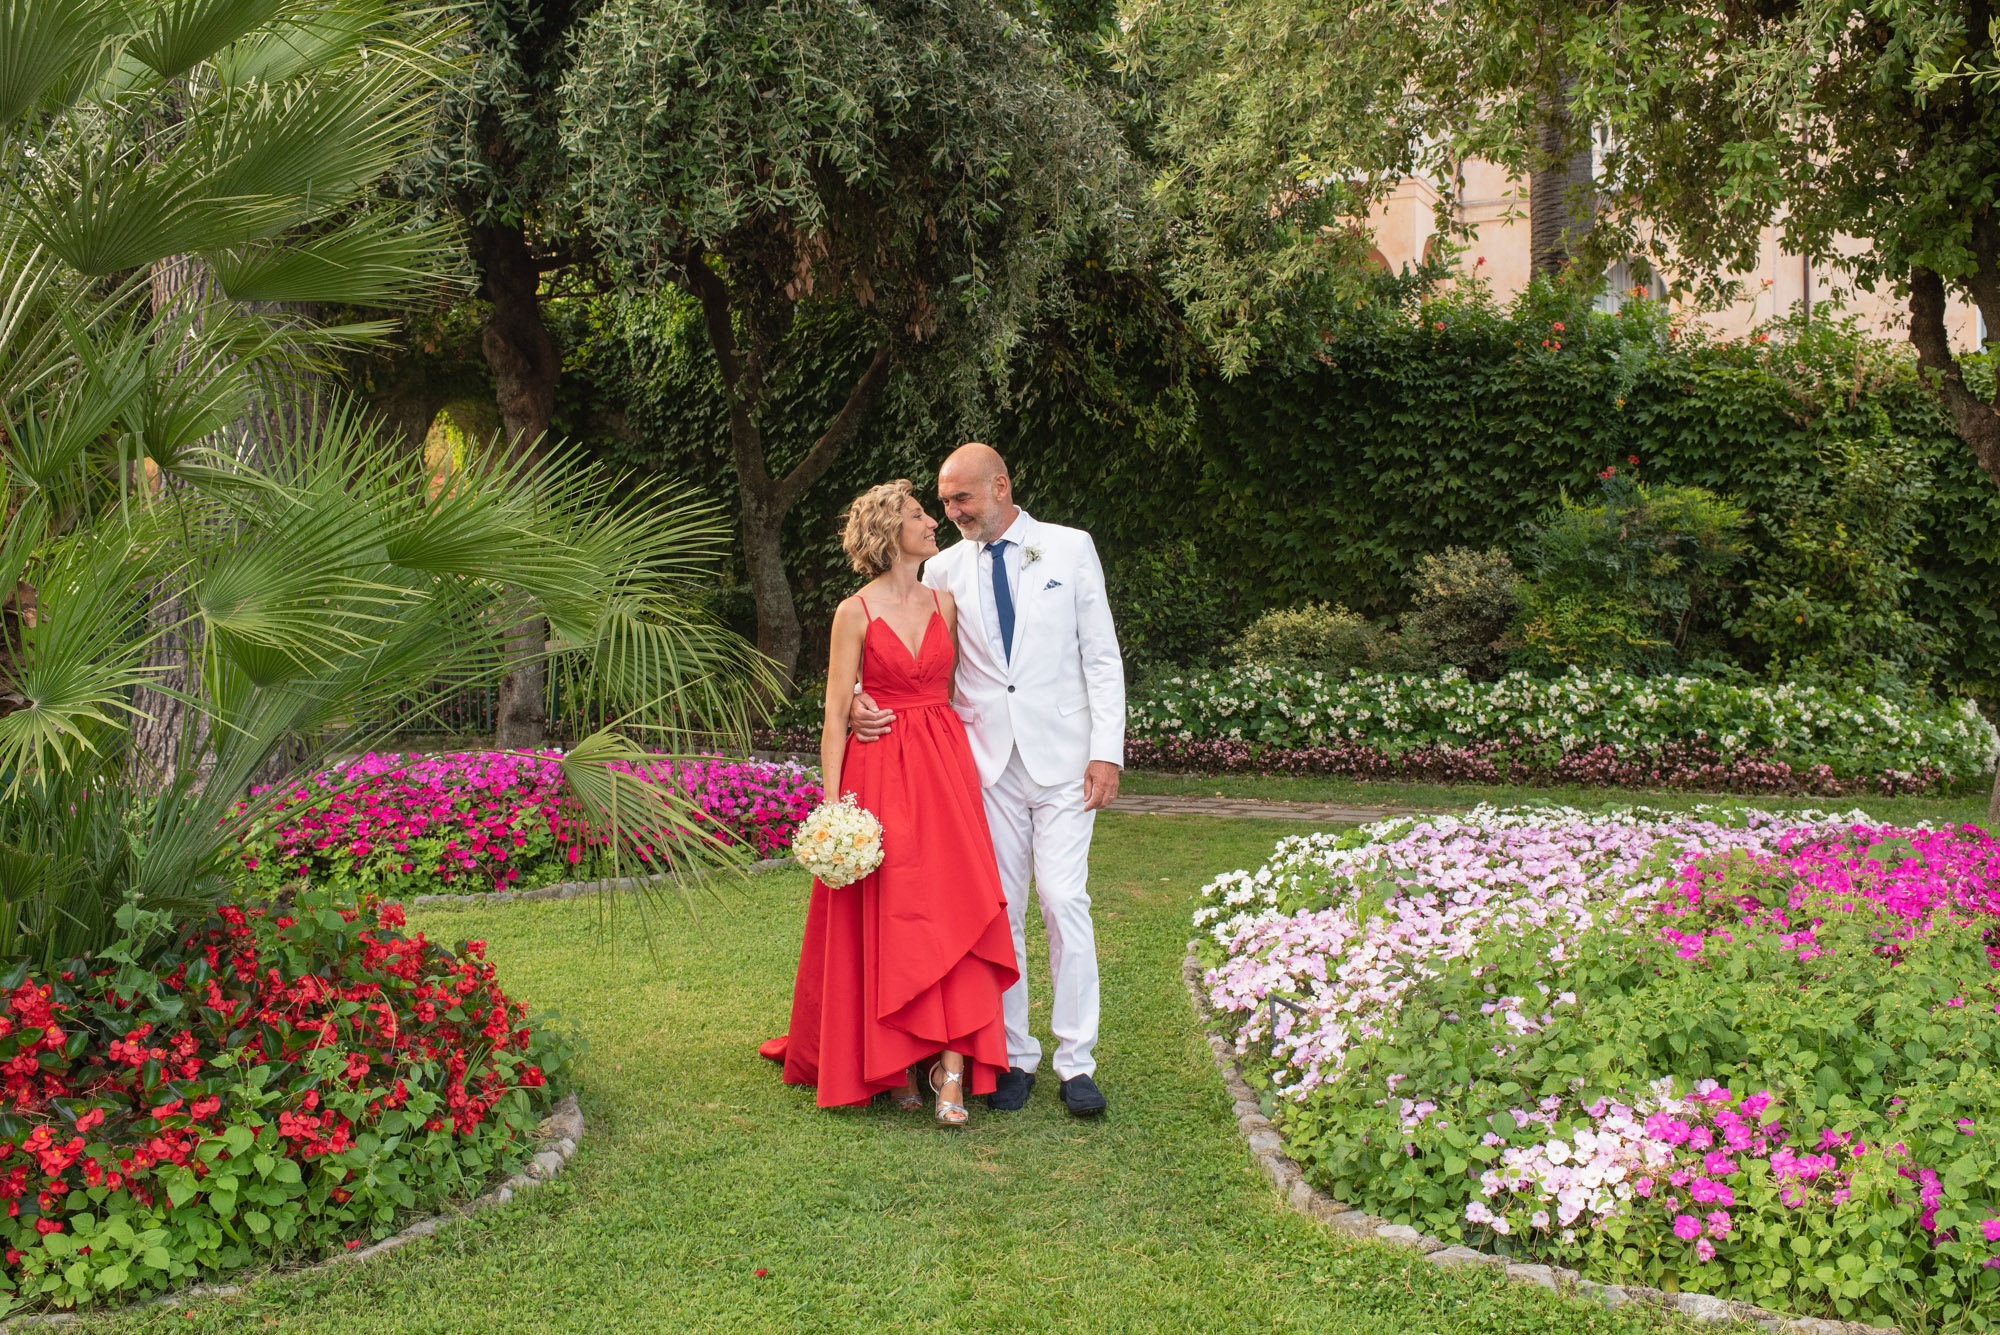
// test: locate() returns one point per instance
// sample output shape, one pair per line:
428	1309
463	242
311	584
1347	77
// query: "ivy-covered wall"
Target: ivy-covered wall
1411	428
1459	423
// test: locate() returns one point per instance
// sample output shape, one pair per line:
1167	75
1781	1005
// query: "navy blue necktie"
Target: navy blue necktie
1003	597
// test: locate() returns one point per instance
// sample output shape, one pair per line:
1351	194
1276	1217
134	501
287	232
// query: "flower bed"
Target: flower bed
1576	722
266	1086
410	825
1728	1052
1695	768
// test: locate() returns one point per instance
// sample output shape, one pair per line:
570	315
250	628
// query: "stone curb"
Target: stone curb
1267	1148
565	889
561	1131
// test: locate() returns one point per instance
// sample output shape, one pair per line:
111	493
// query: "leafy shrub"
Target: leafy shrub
1462	602
1173	606
1751	1055
1630	581
266	1084
1831	597
805	711
1331	476
1329	639
396	826
1851	732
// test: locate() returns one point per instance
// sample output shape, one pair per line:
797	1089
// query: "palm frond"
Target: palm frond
379	259
45	45
656	836
311	143
309	41
78	663
105	204
183	33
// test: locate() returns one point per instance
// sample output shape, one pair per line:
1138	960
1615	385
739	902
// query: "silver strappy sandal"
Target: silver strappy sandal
948	1113
907	1099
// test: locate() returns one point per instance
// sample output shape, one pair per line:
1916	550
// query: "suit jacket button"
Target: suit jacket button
1010	690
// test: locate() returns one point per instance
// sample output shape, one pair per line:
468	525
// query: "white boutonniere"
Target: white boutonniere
1030	555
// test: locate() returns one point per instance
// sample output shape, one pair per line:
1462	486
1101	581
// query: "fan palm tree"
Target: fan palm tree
188	537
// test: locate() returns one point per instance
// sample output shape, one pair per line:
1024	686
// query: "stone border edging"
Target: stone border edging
565	889
1268	1149
561	1131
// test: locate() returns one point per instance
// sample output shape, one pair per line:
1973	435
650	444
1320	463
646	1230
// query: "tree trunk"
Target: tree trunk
766	501
523	360
165	729
181	284
779	636
1977	420
519	351
1559	208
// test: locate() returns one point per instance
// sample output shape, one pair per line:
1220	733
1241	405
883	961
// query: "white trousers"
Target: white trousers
1043	834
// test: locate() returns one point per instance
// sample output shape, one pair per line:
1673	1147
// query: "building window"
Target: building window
1621	284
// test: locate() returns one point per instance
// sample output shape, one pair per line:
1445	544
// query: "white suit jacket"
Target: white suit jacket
1060	698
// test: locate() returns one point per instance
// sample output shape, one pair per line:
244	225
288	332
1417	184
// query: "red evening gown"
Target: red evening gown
912	958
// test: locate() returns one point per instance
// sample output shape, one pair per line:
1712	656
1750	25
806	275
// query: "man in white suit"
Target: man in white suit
1041	688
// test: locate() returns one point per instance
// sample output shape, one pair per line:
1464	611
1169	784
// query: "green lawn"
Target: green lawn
1445	797
701	1167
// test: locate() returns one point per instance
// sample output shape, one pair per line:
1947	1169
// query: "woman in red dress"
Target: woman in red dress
908	963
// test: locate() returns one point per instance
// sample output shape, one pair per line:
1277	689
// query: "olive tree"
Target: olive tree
924	163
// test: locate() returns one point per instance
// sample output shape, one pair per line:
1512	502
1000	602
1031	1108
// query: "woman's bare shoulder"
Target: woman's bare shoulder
851	612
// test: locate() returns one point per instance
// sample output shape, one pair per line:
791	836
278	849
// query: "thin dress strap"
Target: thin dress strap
938	606
864	606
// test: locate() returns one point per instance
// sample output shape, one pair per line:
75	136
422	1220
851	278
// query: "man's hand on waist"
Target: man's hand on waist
866	722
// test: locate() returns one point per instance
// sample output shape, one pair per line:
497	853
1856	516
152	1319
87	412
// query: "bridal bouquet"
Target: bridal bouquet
840	843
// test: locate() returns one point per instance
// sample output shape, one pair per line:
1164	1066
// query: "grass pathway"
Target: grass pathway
1241	790
700	1167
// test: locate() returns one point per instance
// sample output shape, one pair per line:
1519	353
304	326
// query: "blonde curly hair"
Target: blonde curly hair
873	521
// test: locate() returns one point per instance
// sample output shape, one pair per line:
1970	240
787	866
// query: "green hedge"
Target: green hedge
1324	479
1458	423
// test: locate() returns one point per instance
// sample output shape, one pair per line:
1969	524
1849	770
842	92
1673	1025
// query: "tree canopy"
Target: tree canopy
926	163
1841	120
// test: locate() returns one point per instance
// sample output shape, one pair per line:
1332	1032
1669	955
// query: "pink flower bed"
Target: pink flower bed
403	825
1909	877
1727	1052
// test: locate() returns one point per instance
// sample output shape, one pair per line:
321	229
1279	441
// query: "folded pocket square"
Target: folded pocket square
1053	584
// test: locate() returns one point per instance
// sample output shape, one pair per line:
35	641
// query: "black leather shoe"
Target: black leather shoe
1010	1090
1081	1097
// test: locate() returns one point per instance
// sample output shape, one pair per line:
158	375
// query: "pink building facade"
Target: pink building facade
1495	205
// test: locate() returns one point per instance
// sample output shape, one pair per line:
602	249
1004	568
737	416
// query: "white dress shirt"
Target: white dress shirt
989	615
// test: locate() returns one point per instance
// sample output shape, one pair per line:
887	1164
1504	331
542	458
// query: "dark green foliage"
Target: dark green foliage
1462	603
1173	607
1328	639
640	390
1454	423
1832	591
494	153
1332	478
1092	432
1629	580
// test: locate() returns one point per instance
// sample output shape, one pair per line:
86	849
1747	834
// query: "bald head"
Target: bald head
978	495
973	462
